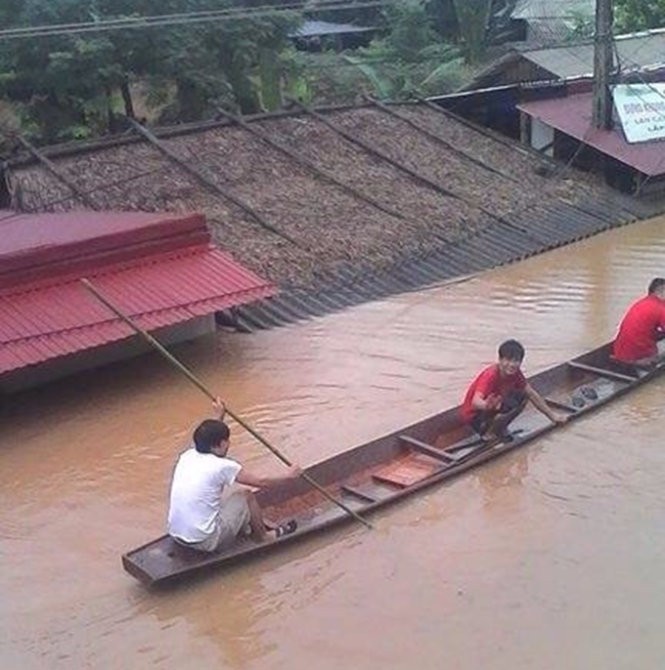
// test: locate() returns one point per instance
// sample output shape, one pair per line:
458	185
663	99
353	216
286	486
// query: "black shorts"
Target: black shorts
512	401
482	419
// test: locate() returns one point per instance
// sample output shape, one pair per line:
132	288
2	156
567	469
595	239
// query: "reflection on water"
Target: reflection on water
513	561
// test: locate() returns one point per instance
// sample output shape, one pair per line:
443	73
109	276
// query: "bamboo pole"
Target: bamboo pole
197	382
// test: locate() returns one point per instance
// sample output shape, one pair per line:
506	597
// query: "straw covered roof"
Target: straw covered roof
416	194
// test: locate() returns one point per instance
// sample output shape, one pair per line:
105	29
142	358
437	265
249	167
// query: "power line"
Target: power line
143	22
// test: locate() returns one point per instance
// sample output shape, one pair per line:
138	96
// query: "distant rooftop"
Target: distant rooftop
552	9
321	28
572	116
635	51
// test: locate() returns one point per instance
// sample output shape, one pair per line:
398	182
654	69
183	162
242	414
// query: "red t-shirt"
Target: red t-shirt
488	382
638	332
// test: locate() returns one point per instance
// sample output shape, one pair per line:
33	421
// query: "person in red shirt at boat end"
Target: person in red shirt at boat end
500	393
641	328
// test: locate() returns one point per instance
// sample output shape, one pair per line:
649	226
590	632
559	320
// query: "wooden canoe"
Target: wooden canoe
394	466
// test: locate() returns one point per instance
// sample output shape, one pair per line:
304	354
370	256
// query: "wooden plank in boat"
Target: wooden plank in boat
601	372
633	369
428	449
407	471
466	443
358	492
561	405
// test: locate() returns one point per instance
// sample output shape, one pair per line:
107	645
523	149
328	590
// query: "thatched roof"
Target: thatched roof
324	225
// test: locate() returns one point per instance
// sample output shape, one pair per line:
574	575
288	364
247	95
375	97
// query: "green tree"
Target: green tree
410	60
74	86
444	17
635	15
472	17
49	79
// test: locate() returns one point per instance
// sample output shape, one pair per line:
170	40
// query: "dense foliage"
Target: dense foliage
635	15
74	86
80	85
409	61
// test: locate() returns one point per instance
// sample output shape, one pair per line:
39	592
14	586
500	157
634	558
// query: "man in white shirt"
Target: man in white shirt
200	515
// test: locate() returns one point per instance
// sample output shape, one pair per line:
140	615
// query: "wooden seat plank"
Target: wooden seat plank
602	372
561	405
631	368
428	449
466	443
354	491
406	471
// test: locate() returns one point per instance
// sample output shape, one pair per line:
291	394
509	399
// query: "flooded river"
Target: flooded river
548	558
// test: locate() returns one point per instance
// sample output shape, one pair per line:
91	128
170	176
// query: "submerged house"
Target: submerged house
158	268
335	206
631	154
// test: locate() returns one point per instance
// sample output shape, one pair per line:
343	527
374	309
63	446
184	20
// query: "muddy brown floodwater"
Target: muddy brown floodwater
551	557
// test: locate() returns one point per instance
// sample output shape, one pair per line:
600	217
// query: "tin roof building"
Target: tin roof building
160	269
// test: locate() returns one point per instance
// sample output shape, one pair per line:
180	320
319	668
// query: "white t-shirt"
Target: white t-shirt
196	493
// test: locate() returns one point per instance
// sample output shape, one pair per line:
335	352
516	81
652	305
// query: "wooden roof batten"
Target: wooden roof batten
400	166
210	185
310	165
520	148
437	138
59	174
377	153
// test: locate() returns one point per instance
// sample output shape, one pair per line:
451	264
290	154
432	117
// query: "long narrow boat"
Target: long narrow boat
397	465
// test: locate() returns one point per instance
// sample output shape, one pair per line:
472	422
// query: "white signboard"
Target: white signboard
641	109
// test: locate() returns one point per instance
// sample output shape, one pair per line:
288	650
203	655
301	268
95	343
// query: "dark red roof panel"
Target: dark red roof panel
43	244
572	116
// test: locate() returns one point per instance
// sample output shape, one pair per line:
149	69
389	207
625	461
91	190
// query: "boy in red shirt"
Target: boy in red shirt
641	328
500	393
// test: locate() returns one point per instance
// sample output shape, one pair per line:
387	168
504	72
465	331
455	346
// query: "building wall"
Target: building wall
64	366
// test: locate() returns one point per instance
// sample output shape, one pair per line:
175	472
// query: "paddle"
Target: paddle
192	378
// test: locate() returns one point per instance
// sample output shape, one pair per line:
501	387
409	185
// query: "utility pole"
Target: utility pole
603	65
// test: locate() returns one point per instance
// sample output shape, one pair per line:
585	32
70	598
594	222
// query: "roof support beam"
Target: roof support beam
214	188
56	172
437	138
488	132
310	165
377	153
383	156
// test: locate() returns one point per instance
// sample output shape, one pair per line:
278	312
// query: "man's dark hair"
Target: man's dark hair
656	284
210	433
511	350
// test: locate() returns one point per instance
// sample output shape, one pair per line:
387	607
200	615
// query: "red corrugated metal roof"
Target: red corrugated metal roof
56	316
572	115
